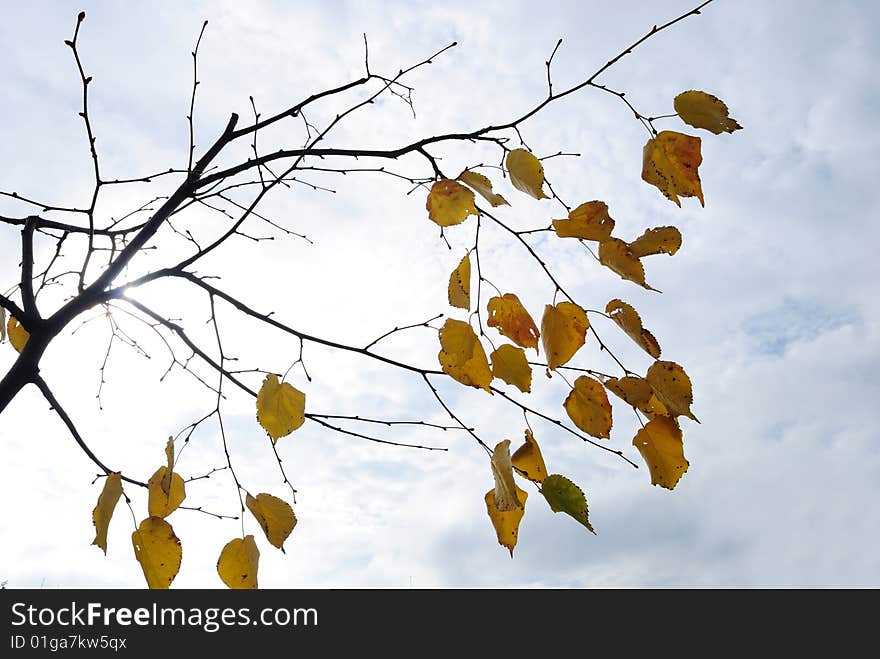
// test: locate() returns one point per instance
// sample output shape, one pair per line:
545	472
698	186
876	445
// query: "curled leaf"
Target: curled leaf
528	461
566	497
158	551
482	186
462	356
280	407
18	335
526	173
615	254
588	407
238	563
589	221
103	511
449	203
661	446
274	515
460	284
509	363
659	240
161	502
670	162
563	332
672	387
502	471
702	110
513	321
628	319
506	522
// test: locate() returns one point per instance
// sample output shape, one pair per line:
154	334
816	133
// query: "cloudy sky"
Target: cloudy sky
770	305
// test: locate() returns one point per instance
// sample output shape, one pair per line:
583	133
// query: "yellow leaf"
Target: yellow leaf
513	321
158	551
672	387
563	331
483	186
461	355
528	461
502	471
238	563
589	221
629	321
670	162
275	517
450	203
280	407
659	240
18	335
615	254
634	391
526	173
654	408
460	284
566	497
506	522
162	502
104	509
702	110
510	364
660	444
588	407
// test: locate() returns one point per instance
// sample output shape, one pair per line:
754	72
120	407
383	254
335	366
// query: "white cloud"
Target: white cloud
769	305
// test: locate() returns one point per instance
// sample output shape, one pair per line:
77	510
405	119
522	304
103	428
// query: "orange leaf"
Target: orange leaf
563	332
589	221
513	321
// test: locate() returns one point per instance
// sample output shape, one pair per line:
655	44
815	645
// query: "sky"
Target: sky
770	305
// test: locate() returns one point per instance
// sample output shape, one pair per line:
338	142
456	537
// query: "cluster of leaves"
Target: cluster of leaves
664	393
280	409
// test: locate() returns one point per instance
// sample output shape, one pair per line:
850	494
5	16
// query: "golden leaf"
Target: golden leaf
460	284
238	563
659	240
158	551
588	407
18	335
634	391
104	509
615	254
280	407
589	221
566	497
275	517
449	203
628	319
162	502
654	408
526	173
672	387
482	186
462	356
670	162
506	522
510	364
513	321
702	110
563	332
502	471
661	446
528	461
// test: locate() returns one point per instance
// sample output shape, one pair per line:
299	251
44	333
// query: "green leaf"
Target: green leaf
566	497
